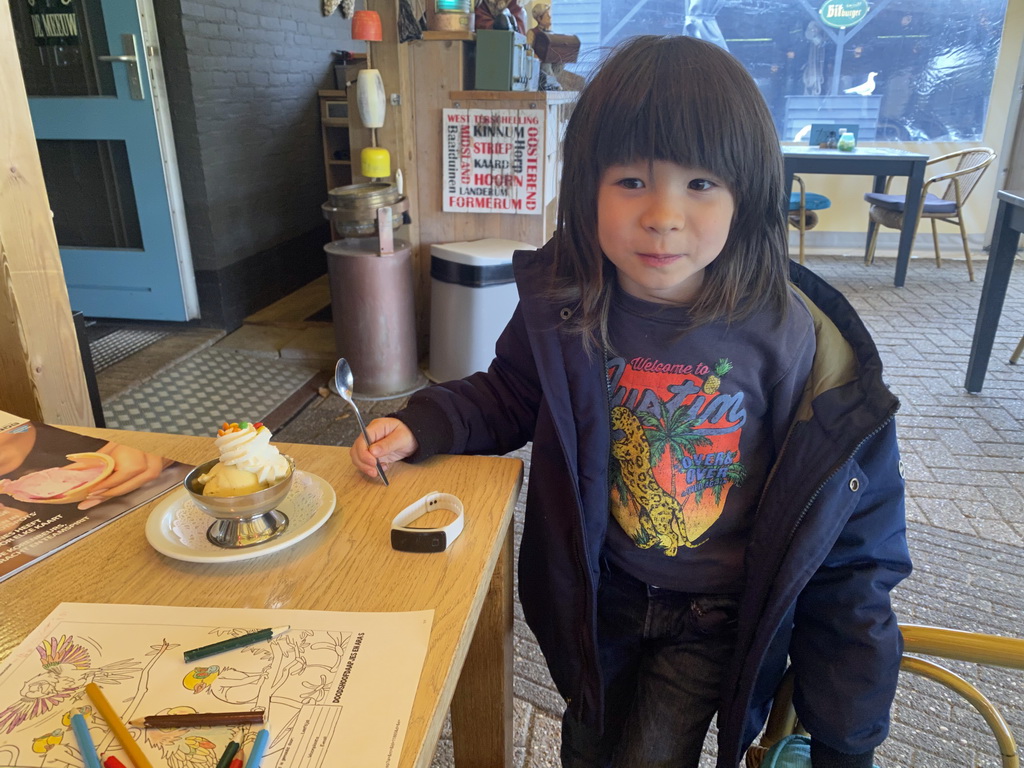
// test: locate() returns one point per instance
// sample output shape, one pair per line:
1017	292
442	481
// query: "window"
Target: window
933	60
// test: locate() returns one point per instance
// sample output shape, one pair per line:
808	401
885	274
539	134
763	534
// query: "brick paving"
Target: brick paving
965	506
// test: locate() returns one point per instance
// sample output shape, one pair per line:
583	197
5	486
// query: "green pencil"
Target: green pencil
229	752
234	642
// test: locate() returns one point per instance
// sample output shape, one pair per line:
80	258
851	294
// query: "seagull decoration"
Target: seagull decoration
865	88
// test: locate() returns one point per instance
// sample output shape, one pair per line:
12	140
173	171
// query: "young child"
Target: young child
715	485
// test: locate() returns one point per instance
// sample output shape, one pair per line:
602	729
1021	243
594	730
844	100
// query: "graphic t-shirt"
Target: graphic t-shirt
697	420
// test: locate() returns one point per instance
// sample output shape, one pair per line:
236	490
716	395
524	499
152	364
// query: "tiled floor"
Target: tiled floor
214	385
965	506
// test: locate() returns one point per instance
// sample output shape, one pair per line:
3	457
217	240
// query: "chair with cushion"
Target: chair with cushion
918	640
802	207
942	199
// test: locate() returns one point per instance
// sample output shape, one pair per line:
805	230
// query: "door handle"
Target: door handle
130	58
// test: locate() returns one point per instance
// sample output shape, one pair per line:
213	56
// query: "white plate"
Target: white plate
177	527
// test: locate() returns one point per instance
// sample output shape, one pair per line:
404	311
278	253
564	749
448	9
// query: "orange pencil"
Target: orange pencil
128	744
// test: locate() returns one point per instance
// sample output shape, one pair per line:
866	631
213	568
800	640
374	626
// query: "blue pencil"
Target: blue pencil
258	748
85	743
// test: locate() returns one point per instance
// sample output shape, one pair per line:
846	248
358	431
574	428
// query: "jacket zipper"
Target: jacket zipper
584	564
834	472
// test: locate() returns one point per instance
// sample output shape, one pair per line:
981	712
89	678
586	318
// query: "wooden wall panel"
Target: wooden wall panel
41	374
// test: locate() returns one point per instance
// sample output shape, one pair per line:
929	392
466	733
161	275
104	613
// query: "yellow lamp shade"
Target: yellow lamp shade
376	162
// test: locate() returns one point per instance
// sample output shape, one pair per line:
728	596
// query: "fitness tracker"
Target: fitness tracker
407	539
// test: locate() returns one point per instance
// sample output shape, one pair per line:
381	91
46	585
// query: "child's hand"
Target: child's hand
390	441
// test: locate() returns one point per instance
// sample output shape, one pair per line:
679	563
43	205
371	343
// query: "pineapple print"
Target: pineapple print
714	380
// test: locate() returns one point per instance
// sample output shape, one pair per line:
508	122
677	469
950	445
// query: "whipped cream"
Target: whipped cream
249	449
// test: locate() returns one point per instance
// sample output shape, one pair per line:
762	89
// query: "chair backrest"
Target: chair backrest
971	164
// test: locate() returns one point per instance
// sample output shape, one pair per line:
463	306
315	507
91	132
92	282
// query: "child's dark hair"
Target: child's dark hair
689	102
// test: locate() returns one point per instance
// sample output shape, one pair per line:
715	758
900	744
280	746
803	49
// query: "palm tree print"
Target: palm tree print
735	474
673	432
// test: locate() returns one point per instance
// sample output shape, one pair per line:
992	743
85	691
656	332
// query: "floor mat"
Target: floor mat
212	386
115	346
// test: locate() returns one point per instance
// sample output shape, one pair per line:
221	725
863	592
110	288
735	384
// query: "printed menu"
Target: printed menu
57	486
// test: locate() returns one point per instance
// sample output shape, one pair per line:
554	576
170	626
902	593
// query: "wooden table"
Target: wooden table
867	161
1005	239
348	565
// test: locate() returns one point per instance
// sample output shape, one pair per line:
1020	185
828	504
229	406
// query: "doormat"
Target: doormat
210	387
117	345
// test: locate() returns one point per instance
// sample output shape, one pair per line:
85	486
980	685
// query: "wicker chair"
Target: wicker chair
802	207
945	204
1007	652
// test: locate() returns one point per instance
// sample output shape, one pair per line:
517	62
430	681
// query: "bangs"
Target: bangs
689	102
682	105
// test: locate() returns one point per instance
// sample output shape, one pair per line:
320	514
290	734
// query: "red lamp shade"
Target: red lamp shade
366	26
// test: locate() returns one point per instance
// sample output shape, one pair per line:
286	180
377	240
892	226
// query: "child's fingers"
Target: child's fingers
390	441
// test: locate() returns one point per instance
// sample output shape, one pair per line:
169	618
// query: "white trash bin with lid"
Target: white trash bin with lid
472	298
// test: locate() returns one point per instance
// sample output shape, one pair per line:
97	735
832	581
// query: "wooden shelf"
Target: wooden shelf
547	97
432	34
336	135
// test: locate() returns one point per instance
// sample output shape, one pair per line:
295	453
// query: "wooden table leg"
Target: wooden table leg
482	704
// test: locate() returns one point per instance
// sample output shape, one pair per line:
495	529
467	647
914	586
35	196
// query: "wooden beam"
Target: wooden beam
398	137
42	376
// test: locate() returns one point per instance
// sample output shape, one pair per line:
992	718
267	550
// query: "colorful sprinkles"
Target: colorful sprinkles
237	426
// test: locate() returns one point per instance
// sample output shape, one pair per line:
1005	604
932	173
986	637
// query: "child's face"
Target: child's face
661	224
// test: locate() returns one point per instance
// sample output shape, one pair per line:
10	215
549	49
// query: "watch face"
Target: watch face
425	541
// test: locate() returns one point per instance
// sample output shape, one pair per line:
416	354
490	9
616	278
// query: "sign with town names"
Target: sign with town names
491	161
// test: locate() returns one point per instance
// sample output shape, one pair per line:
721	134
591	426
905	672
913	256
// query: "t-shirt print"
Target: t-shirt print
675	449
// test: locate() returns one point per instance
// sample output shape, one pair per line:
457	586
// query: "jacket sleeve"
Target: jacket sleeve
846	643
490	412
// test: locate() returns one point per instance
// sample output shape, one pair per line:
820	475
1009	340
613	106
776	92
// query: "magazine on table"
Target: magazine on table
57	486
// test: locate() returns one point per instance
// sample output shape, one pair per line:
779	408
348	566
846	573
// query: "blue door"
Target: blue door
90	69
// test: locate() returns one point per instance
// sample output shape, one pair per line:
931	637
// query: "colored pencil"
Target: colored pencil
258	748
234	642
113	762
199	719
85	743
238	759
128	744
229	752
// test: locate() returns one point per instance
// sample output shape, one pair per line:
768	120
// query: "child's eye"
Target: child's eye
702	184
631	183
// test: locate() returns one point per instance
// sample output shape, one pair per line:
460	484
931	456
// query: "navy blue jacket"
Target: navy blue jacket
828	542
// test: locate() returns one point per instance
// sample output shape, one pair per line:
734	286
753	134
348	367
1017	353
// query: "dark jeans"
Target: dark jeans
662	656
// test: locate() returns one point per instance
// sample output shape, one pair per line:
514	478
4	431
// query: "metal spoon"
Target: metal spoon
344	381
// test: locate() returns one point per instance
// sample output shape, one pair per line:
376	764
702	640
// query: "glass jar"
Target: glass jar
846	142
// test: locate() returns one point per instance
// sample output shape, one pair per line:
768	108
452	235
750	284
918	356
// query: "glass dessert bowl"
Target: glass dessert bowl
242	488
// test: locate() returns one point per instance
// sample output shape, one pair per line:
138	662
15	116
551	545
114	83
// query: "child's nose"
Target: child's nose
664	215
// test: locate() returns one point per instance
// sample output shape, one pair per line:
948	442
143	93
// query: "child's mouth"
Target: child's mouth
658	259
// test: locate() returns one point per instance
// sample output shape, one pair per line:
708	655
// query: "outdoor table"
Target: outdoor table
347	565
867	161
1005	238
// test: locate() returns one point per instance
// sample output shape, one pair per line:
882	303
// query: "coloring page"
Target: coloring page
336	688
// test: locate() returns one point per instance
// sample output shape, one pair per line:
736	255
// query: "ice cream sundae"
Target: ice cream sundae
248	462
